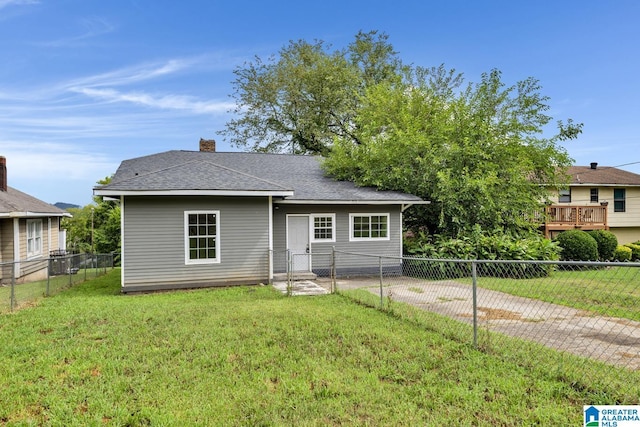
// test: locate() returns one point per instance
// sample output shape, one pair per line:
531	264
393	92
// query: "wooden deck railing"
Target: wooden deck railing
558	217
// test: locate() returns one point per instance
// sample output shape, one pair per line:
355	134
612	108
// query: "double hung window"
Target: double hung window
202	237
619	200
34	237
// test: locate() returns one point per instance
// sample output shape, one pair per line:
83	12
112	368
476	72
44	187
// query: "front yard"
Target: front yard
251	356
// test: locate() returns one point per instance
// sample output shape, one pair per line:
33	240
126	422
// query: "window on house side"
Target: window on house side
34	237
564	195
594	195
324	228
202	242
619	200
369	227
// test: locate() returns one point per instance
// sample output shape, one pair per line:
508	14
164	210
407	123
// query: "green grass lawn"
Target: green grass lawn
251	356
26	294
613	291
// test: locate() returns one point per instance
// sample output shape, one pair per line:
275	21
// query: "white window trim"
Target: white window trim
312	226
189	261
369	239
38	251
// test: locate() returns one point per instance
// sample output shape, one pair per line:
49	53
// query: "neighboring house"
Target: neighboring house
597	198
29	231
206	218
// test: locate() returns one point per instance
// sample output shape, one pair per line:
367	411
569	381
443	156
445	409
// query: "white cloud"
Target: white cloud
134	74
5	3
46	161
173	102
94	27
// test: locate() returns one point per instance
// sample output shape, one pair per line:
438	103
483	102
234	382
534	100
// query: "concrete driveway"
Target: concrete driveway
612	340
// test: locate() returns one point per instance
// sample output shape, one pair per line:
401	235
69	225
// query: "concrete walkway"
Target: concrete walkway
301	287
612	340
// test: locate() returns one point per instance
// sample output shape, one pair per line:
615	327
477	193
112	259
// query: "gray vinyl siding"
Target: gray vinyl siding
6	250
345	264
153	254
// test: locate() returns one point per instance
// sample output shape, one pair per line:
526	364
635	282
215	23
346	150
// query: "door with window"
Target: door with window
298	242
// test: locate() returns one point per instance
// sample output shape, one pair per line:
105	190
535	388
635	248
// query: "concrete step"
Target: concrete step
297	275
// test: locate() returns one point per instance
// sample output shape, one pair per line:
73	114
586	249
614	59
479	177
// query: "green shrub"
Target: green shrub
480	245
607	243
577	245
622	253
635	251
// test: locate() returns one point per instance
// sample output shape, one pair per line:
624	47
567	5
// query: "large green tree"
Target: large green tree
477	151
481	152
94	228
301	99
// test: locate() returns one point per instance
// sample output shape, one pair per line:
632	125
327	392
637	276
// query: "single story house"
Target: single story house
29	231
598	197
206	218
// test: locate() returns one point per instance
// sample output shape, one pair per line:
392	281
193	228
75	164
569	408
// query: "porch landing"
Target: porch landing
300	287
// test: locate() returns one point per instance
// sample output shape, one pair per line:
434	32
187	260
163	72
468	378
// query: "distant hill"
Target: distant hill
65	206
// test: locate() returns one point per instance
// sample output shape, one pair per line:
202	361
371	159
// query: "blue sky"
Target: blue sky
85	84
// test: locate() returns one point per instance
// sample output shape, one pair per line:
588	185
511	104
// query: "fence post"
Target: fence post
289	272
333	269
474	279
69	269
12	297
49	261
380	271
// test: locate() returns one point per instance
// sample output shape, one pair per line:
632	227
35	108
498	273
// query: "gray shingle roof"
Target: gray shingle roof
15	203
602	175
218	171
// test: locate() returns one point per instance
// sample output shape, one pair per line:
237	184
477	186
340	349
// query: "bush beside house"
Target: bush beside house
480	245
577	245
607	243
635	250
622	253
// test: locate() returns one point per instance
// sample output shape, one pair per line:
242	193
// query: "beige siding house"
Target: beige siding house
598	197
29	231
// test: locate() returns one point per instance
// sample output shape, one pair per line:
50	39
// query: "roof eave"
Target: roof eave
27	214
242	193
593	184
350	202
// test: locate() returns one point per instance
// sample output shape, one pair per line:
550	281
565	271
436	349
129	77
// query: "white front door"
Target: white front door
298	242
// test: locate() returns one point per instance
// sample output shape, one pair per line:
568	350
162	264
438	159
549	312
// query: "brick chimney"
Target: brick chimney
208	145
594	165
3	174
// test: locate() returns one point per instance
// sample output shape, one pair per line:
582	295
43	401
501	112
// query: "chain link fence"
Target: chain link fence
562	318
24	282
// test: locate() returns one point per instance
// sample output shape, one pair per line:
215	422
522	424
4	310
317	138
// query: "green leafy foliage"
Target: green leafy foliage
635	251
577	245
622	253
482	246
301	99
607	243
94	228
474	151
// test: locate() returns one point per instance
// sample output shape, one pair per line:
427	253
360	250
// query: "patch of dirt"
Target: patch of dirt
626	355
498	314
